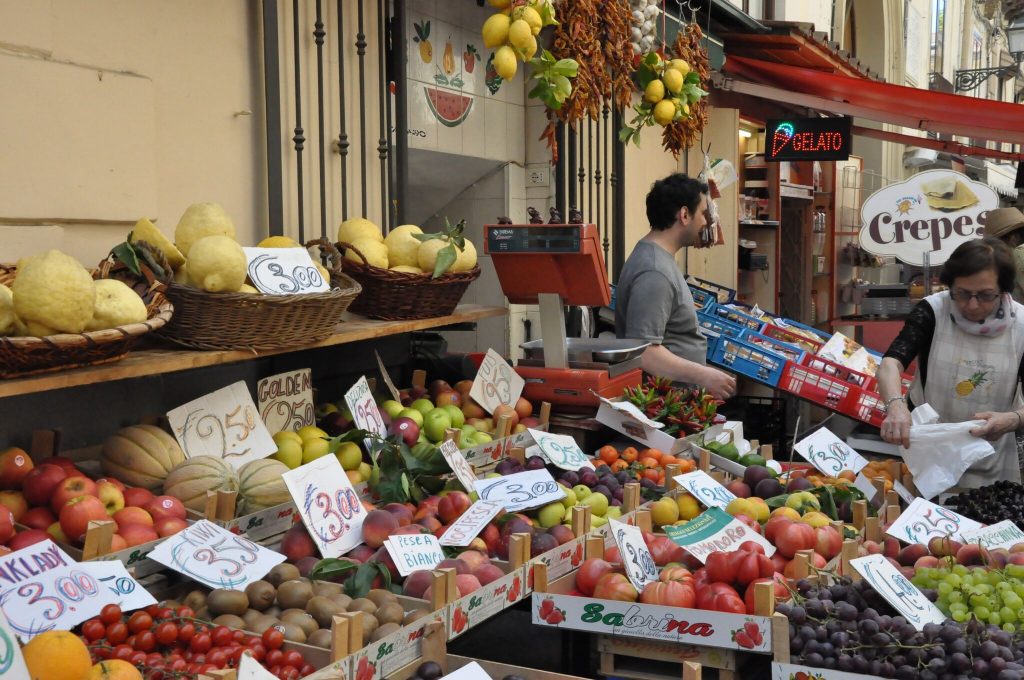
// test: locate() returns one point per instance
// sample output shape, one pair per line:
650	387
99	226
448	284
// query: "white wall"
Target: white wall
816	12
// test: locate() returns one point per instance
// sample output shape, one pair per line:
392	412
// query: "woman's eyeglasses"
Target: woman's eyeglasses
966	295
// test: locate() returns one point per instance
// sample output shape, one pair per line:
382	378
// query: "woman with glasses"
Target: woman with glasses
968	342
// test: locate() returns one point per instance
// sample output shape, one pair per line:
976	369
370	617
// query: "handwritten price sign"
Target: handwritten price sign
635	556
223	424
705	489
364	409
286	400
898	591
470	523
284	271
520	491
496	383
829	453
924	520
414	552
561	450
328	505
457	462
12	663
216	557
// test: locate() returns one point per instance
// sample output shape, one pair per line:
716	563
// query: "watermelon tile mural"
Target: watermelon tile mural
449	107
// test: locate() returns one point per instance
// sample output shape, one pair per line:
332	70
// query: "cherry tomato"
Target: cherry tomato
273	638
101	651
117	632
289	673
122	652
293	659
93	630
152	609
222	636
140	621
177	665
275	670
165	613
307	670
206	668
185	612
199	659
110	614
186	633
217	657
259	652
275	657
201	643
145	641
167	633
153	659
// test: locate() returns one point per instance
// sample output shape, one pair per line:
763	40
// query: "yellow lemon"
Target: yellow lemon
741	506
531	16
375	252
349	455
358	228
116	305
495	31
285	435
403	245
146	231
53	290
519	34
200	220
499	4
654	92
680	65
664	112
7	316
247	289
673	80
688	506
278	242
761	510
313	449
664	511
530	49
407	269
216	264
289	452
466	258
505	64
311	432
815	519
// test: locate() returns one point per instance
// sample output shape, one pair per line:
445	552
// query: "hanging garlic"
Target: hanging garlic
644	34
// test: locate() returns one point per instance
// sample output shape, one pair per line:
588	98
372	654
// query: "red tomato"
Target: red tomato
751	566
772	527
794	537
674	573
781	591
93	630
294	659
669	594
110	614
273	639
729	604
167	633
140	621
721	567
117	633
706	595
221	636
145	641
752	546
590	572
614	586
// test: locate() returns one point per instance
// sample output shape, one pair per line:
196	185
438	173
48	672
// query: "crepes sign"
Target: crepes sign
932	212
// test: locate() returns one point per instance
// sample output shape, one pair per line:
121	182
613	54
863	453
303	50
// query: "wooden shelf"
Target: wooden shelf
766	224
166	360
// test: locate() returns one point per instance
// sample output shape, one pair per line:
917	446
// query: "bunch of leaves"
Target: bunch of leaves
138	256
401	474
453	236
552	75
829	497
357	579
652	67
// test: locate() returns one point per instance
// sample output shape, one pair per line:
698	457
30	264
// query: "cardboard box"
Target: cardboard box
623	417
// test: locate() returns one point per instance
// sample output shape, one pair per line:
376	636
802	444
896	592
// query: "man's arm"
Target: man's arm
657	360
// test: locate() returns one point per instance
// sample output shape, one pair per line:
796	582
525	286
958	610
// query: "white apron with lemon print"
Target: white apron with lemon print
968	374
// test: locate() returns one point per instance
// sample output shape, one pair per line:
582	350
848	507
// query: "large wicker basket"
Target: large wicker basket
401	296
224	321
21	356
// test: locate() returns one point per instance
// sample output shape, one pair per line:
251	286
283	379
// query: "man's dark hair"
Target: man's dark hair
977	255
667	196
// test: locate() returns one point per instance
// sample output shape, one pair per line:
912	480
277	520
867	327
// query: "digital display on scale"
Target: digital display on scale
534	239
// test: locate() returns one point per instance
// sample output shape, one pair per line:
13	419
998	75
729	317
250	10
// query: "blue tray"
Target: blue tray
750	360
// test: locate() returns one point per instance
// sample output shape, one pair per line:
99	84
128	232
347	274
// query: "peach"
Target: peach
169	526
997	558
137	534
452	505
738	488
15	465
490	535
466	584
162	507
872	548
111	495
448	398
473	558
410	530
417	583
472	410
297	543
944	546
891	547
38	518
4	550
132	515
911	554
383	557
360	553
377	526
563	534
830	543
71	487
15	502
478	545
505	410
459	566
77	513
23	539
136	496
927	561
523	408
486	573
39	484
1016	558
401	512
117	543
970	555
431	524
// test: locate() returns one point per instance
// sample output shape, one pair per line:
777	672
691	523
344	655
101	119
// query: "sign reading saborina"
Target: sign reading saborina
932	212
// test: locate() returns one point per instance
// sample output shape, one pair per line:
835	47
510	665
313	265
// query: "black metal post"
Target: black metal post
383	143
619	200
343	142
272	99
318	38
569	168
603	205
581	175
361	54
558	170
400	163
298	137
590	168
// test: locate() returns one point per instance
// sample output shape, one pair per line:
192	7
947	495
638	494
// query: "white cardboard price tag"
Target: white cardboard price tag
470	523
865	486
521	490
251	669
329	506
898	591
705	489
903	492
284	271
561	449
12	663
414	552
634	553
715	531
496	383
830	454
223	424
286	400
364	410
458	463
471	671
924	520
387	378
1003	534
216	557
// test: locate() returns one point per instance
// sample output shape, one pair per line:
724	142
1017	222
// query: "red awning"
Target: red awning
909	107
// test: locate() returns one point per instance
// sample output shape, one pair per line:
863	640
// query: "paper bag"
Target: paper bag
940	453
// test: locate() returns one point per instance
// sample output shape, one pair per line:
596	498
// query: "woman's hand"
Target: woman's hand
996	424
896	426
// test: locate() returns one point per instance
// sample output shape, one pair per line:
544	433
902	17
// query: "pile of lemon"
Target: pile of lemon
400	251
663	92
512	32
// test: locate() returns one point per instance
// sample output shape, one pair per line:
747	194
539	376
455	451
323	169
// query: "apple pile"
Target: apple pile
56	500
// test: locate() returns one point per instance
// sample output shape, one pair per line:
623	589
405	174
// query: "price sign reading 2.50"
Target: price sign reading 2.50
328	505
364	409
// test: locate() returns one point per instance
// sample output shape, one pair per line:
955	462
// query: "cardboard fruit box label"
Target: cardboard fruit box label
382	659
496	596
654	622
263	523
792	671
560	561
483	456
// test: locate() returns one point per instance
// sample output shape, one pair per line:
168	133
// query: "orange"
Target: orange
113	669
686	465
652	453
651	474
608	454
649	462
57	655
629	454
848	475
667	460
619	465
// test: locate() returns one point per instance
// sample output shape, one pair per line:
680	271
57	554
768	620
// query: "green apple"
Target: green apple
365	471
392	408
613	512
455	413
349	455
435	422
288	452
551	514
570	495
567	517
482	438
422	405
490	475
581	491
597	502
467	432
597	521
416	416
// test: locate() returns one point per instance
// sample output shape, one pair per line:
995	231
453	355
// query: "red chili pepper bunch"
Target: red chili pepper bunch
684	411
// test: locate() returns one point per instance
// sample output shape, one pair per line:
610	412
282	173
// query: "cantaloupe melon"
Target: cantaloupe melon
190	481
140	455
261	486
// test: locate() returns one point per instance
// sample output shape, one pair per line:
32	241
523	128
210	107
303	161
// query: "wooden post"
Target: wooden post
873	529
643	520
630	497
879	484
518	550
892	513
435	647
419	378
670	473
764	599
540	577
220	505
704	460
439	589
545	412
691	670
849	552
803	562
594	547
340	645
860	514
892	498
503	427
581	520
97	538
766	452
518	453
453	434
780	638
755	444
220	674
372	384
45	443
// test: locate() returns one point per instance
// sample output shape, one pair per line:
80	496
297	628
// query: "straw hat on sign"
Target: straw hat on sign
1001	221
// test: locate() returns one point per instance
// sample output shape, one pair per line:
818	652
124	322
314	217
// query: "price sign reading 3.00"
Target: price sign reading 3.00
522	490
636	557
829	453
328	505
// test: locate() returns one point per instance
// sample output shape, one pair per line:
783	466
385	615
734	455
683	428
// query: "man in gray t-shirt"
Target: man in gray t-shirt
652	300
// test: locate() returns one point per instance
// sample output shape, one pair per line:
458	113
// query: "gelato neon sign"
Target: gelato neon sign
808	139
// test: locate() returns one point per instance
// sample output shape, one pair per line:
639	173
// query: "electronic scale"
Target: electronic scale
553	265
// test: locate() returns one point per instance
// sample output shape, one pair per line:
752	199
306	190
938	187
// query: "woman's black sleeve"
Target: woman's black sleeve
916	337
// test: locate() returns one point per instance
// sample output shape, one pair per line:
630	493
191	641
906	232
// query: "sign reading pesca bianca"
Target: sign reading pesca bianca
932	212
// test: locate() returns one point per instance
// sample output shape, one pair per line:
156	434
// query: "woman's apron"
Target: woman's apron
969	374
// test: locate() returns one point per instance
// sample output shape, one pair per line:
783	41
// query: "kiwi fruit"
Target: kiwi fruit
195	600
342	599
273	610
369	626
383	631
231	621
294	594
250	617
170	604
390	612
326	588
204	614
224	601
261	595
281	573
323	609
262	622
381	597
301	619
414	615
362	604
320	638
292	632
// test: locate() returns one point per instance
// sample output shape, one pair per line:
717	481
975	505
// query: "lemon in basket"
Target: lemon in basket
216	264
147	231
53	292
200	220
357	229
278	242
403	245
116	305
375	252
8	319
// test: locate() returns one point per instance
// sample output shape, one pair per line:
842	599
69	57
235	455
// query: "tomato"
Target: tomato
154	658
110	614
829	542
729	604
589	572
93	630
137	658
185	612
794	537
293	659
178	665
707	594
664	550
186	632
101	651
152	609
145	641
289	673
306	670
140	621
273	638
117	633
773	526
201	643
751	566
669	594
240	636
217	657
752	546
275	657
167	633
781	591
721	567
259	652
221	636
675	573
614	586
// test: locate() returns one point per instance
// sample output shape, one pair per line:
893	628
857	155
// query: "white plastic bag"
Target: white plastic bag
940	453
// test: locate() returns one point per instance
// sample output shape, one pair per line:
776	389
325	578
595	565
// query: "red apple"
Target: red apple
297	543
505	410
76	515
448	398
132	515
136	496
117	543
463	386
41	482
407	429
163	507
71	487
169	526
24	539
112	480
38	518
137	534
112	497
530	421
15	464
60	461
15	502
6	525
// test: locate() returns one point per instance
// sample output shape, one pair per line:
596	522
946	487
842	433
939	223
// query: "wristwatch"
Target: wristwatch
885	405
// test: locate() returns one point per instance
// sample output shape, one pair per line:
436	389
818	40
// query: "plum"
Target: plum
622	477
569	479
505	467
535	463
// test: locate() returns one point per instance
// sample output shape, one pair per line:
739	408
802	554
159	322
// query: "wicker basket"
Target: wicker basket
21	356
401	296
224	321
